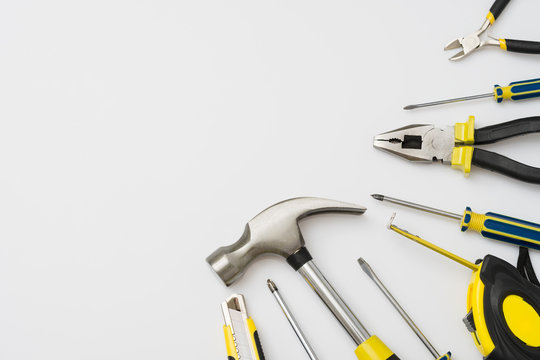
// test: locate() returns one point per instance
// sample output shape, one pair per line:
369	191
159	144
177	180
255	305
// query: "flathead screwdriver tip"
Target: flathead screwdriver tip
378	197
409	107
364	265
271	285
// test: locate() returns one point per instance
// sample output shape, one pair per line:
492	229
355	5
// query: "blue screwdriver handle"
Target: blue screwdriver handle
502	228
518	90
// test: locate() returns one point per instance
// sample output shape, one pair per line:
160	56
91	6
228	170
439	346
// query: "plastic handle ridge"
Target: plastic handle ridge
503	228
501	164
494	133
519	90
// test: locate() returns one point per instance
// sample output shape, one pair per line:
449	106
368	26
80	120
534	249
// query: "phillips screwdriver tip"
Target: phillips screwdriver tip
409	107
271	285
378	197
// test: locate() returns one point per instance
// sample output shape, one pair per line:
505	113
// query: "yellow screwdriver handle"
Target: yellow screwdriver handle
519	90
374	349
502	228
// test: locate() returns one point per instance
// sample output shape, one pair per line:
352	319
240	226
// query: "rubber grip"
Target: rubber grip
502	228
518	90
523	46
498	7
494	133
501	164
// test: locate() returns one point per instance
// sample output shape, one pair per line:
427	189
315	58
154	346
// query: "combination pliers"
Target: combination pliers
476	40
454	145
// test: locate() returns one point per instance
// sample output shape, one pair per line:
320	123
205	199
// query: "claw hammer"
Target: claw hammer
275	231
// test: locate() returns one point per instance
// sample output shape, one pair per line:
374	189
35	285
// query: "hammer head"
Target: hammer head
273	231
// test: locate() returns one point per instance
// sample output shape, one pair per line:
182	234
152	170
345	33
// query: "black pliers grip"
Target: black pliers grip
502	164
496	9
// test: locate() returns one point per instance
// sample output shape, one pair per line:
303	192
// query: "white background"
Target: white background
138	136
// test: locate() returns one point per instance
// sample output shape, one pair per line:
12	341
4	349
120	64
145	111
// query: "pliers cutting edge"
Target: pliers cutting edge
475	41
454	145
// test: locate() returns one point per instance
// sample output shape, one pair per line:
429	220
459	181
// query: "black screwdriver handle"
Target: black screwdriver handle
501	164
523	46
497	8
494	133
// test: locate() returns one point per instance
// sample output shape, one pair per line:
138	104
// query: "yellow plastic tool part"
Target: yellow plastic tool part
447	356
229	342
462	155
253	335
462	159
464	132
502	228
490	17
522	319
475	304
502	44
373	349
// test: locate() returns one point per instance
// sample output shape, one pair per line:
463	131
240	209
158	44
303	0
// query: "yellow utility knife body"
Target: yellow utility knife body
241	337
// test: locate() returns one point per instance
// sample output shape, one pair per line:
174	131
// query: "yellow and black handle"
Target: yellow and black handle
502	228
503	312
253	335
517	90
229	343
496	10
465	156
374	349
519	46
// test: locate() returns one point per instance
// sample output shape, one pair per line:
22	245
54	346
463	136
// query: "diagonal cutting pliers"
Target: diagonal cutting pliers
476	40
454	145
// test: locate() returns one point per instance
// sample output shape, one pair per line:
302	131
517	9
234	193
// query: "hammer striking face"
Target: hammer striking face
273	231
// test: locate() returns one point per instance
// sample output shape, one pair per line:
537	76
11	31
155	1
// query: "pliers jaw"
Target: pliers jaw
471	42
420	143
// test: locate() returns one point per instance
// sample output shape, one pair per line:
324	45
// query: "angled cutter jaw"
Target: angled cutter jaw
421	143
471	42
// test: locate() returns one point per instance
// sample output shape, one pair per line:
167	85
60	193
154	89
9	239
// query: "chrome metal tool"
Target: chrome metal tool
373	276
294	324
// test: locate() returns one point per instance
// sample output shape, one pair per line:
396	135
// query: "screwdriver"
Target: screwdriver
489	225
373	276
273	288
518	90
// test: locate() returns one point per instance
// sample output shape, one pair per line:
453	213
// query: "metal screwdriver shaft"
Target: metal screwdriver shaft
417	206
449	101
273	288
515	91
369	271
490	225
